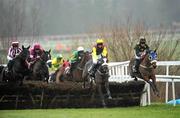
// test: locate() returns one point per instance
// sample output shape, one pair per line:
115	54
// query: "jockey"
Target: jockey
76	56
13	51
98	51
57	61
36	51
140	48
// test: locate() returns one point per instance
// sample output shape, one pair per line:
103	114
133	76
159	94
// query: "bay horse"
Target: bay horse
19	69
79	67
100	78
63	73
39	68
146	70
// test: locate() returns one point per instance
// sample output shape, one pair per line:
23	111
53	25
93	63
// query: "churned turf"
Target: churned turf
153	111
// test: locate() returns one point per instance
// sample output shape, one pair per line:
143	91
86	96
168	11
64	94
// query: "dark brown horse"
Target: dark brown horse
146	69
40	68
79	66
19	69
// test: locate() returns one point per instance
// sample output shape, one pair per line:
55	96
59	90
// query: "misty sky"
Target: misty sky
80	16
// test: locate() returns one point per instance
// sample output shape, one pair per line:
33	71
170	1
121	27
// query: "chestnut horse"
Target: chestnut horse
61	74
146	70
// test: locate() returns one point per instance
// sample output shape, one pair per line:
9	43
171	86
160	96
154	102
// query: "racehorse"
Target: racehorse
79	66
62	72
40	68
100	78
76	74
19	68
146	69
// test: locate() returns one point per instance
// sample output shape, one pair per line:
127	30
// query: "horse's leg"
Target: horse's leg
99	87
2	76
47	76
155	86
146	78
58	76
93	90
107	90
84	82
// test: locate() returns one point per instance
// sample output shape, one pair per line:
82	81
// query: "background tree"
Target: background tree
16	23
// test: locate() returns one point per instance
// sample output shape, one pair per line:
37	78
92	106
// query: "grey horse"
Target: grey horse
100	78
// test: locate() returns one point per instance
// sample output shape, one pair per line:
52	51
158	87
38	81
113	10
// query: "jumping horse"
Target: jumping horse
146	70
40	68
61	74
99	80
76	74
19	69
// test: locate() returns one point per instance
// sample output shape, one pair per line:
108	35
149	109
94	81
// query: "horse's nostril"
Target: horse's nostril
154	65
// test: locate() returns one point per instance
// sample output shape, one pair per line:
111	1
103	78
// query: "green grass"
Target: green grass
153	111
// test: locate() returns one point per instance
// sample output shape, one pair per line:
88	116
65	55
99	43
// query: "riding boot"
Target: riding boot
91	70
136	65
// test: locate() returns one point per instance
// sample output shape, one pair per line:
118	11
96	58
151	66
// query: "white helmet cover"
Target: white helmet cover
80	48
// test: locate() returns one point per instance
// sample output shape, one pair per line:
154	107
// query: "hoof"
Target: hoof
104	105
110	97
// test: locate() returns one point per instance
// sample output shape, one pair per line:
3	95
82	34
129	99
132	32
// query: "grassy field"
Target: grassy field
153	111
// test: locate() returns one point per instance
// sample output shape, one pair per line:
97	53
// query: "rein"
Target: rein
146	66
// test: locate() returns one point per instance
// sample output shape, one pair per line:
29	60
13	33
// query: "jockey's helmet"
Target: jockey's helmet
80	49
15	44
99	41
59	57
142	40
37	46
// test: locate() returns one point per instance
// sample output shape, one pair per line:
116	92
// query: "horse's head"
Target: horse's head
24	53
46	55
84	57
103	68
66	65
152	57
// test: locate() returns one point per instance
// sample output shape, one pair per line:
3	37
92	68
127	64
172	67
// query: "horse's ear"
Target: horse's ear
28	47
23	47
155	50
63	61
49	50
